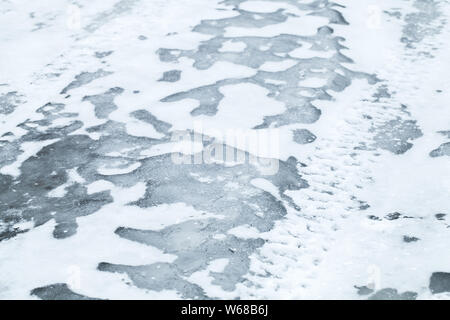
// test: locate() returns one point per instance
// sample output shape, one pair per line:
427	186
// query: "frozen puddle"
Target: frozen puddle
275	149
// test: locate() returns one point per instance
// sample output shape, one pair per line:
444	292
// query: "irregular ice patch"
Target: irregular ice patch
443	150
85	78
274	66
313	82
265	6
303	136
304	53
104	103
395	135
9	102
118	168
302	26
171	76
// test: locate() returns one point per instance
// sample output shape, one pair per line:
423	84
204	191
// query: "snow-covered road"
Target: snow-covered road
252	149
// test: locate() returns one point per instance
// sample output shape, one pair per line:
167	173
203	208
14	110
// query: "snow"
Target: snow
91	192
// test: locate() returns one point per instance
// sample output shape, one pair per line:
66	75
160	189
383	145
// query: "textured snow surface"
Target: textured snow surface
118	180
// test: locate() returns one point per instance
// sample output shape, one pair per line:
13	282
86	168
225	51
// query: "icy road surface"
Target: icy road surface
114	182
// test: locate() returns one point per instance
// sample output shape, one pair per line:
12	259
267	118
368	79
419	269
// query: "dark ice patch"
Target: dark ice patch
394	13
171	76
157	277
303	136
36	134
145	116
51	109
333	16
208	97
393	216
382	92
194	245
245	19
363	205
445	133
9	151
104	103
364	290
40	130
8	233
409	239
319	8
395	135
421	24
104	17
440	282
26	197
282	85
58	291
194	242
46	171
206	187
